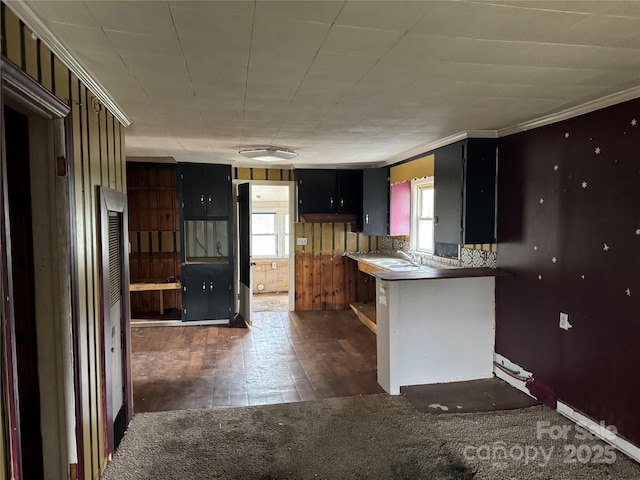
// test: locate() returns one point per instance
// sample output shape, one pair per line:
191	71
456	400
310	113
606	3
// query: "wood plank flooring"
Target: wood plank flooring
283	357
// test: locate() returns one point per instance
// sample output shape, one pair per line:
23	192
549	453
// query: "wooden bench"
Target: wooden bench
155	286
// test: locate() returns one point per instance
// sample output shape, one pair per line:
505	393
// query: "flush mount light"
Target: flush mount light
268	154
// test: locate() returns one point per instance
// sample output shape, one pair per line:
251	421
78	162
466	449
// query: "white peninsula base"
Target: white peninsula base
434	330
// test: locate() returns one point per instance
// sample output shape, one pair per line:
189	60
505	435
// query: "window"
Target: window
264	236
270	234
422	195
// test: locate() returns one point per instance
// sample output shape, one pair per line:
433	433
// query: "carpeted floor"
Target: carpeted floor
368	437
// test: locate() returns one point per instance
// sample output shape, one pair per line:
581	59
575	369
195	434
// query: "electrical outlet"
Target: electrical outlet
301	241
564	321
274	265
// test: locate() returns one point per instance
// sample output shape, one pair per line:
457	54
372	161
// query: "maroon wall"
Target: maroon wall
544	213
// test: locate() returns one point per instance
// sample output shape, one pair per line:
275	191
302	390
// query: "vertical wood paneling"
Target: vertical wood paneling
153	210
12	32
61	79
98	155
44	64
30	53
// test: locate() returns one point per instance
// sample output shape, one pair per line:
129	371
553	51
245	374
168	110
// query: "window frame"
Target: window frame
280	235
417	187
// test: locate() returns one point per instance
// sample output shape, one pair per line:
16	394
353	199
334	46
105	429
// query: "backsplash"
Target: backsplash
471	256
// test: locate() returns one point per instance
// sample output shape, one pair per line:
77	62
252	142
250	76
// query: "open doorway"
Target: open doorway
269	245
270	239
35	254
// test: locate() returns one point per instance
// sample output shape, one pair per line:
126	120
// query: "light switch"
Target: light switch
301	241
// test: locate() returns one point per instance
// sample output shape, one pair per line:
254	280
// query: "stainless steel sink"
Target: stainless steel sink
394	264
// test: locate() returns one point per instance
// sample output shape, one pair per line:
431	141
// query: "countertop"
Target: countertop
424	272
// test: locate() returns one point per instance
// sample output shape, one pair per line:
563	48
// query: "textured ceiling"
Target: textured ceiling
342	82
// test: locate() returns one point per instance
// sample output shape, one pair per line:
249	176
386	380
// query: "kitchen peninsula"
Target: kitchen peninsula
434	325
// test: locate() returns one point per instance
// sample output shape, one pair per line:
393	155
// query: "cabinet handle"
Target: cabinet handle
204	285
201	199
331	201
342	202
211	287
209	199
366	218
435	220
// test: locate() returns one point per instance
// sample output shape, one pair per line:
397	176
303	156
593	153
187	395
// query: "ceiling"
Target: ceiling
341	82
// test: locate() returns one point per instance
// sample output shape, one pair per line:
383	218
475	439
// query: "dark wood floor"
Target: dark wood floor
283	357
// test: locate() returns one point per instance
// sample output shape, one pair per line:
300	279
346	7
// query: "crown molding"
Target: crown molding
572	112
588	107
443	142
30	18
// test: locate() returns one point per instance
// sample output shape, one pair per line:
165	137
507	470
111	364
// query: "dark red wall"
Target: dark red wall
545	213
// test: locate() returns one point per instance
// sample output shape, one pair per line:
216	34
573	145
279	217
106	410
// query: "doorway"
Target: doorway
36	282
269	247
22	276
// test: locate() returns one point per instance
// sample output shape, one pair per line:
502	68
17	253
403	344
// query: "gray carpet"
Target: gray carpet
369	437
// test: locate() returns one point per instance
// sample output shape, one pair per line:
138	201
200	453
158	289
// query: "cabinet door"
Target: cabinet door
219	297
375	201
350	191
448	173
218	190
195	297
317	191
193	189
480	192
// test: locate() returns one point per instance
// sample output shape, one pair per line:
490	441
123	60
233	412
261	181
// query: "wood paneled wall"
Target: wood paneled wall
98	146
154	232
324	278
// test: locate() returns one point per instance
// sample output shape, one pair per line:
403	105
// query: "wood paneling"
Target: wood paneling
96	158
324	278
330	282
154	233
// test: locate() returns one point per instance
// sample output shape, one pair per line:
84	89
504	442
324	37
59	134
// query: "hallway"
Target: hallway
283	357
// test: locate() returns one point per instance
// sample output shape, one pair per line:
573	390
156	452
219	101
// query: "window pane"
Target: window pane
426	197
263	246
425	235
286	245
263	223
286	223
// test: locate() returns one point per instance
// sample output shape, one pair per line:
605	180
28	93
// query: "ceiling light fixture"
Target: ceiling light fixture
268	154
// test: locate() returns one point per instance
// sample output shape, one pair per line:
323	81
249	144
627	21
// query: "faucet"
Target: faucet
408	256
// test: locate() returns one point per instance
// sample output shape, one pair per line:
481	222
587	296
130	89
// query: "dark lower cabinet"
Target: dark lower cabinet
206	293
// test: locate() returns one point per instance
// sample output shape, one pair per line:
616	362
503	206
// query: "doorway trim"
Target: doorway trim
47	119
292	211
110	200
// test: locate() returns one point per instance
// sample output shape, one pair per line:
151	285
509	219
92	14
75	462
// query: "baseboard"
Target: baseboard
600	431
175	323
597	429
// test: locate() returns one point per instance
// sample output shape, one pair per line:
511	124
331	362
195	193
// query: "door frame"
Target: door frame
110	200
47	115
292	216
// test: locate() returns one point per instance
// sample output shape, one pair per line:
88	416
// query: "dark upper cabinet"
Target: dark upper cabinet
323	191
317	191
206	293
465	175
204	190
375	201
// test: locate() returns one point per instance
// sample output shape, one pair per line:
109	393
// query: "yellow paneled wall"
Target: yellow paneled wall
334	238
97	159
418	168
239	173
